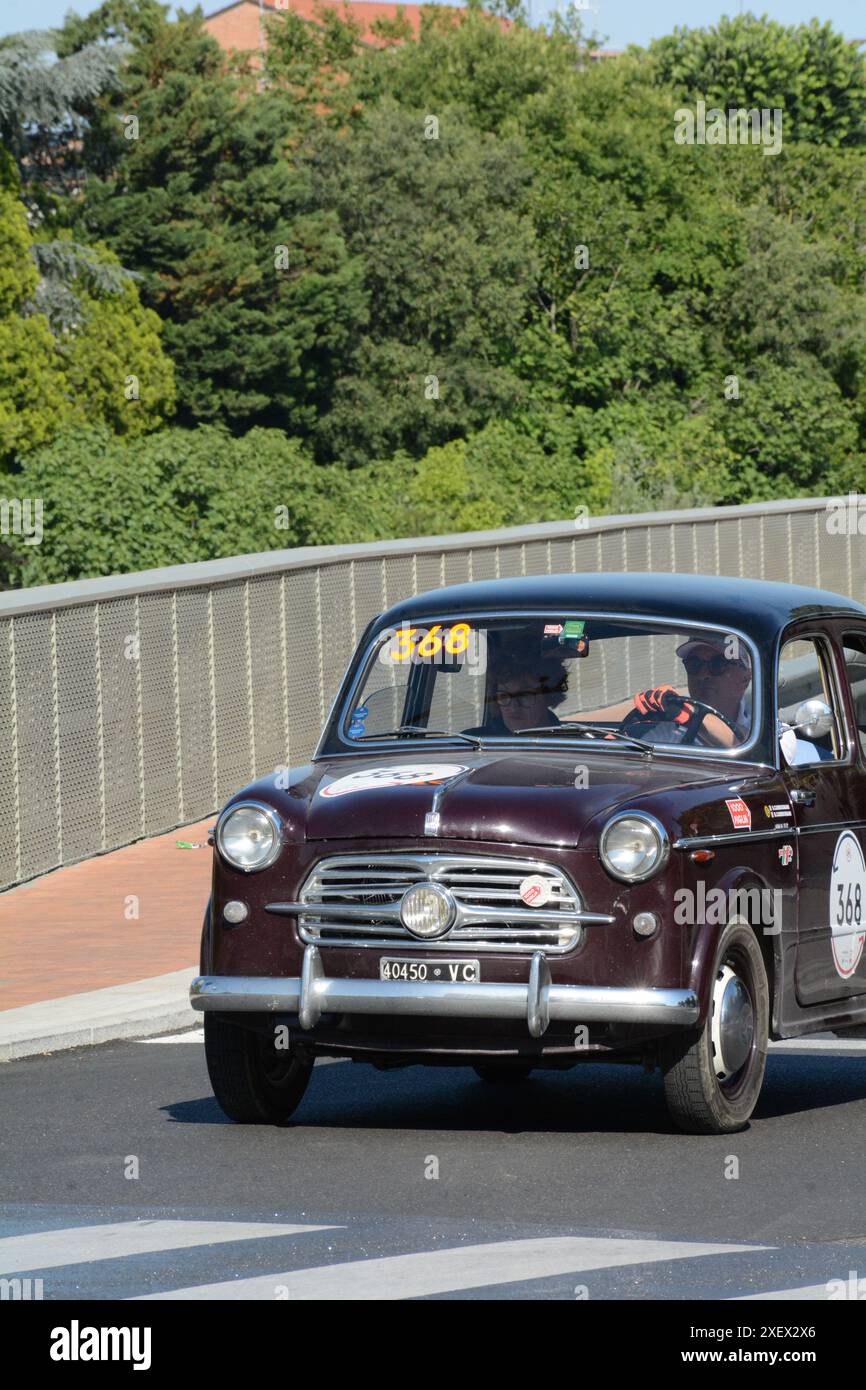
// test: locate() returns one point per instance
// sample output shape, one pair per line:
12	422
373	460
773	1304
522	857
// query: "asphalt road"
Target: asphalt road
567	1186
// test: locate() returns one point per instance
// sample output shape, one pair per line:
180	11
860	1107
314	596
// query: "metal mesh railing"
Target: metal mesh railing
135	704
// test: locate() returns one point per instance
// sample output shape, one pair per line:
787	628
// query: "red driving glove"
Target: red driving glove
664	700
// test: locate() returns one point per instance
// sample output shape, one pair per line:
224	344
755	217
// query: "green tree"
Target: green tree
476	264
94	356
112	22
115	366
33	401
256	289
312	63
791	431
471	59
115	505
435	217
812	74
501	477
661	467
44	100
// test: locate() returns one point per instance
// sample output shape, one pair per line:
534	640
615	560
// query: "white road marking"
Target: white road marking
813	1293
445	1271
195	1035
81	1244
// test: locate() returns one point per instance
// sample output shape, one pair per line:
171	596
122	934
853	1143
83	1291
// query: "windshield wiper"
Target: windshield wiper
593	730
424	732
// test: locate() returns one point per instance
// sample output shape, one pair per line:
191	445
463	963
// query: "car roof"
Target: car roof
757	607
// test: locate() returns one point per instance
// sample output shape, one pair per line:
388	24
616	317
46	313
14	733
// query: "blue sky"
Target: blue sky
621	21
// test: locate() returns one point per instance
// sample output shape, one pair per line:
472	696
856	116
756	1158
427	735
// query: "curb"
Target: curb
822	1042
141	1009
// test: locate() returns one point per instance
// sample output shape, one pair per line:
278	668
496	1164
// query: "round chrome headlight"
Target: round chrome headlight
427	910
633	846
248	836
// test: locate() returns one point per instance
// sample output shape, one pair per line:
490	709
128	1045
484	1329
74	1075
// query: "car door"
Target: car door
826	786
851	663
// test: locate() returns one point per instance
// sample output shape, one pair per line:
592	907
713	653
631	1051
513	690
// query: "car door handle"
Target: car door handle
802	798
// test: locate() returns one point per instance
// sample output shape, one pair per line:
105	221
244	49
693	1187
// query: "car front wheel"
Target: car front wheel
254	1081
713	1075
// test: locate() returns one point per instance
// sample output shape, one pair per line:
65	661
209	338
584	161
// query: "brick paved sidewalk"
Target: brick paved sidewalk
67	932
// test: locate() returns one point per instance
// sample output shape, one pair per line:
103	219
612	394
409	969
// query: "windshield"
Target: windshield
562	676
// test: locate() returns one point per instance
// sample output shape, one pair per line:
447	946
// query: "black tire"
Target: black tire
699	1101
254	1082
499	1072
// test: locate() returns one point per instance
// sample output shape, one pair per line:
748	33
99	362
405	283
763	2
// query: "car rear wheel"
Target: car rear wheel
501	1072
254	1081
713	1075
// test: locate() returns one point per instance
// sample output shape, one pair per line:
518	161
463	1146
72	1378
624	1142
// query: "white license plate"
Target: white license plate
444	972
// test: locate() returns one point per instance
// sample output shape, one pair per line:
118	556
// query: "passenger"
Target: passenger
521	695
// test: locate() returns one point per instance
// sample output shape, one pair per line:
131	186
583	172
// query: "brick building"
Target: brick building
238	25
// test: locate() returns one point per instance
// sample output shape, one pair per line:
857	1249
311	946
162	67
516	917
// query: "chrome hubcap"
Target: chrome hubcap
733	1025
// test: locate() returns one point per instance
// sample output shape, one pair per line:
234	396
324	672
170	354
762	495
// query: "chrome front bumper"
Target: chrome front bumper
539	1001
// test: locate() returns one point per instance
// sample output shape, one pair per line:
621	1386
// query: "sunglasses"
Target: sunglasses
716	665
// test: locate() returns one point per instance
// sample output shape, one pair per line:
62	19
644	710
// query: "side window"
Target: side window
854	644
804	675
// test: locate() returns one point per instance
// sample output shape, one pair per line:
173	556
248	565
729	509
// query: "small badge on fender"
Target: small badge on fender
535	891
786	854
741	816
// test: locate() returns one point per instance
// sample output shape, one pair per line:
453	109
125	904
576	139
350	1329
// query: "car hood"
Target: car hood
537	797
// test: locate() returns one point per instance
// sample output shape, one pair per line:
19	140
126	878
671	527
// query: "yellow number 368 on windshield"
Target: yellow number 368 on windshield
426	644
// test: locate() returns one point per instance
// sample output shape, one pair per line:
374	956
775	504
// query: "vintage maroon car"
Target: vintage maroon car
553	820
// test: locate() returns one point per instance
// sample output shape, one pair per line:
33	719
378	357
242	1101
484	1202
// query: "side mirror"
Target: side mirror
814	717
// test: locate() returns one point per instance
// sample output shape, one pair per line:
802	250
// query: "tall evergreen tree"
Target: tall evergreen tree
254	284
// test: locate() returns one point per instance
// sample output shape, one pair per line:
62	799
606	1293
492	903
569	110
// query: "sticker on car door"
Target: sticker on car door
847	895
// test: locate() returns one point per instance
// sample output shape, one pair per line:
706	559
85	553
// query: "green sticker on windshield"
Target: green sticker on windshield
572	640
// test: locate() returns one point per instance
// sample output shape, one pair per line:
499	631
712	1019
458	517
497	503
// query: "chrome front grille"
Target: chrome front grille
354	900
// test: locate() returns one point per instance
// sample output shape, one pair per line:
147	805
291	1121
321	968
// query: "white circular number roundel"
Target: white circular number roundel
398	775
847	904
535	891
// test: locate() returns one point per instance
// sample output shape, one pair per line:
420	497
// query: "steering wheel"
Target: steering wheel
635	722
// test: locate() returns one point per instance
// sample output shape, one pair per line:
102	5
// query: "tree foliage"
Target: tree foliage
93	354
435	217
45	98
458	281
809	72
254	285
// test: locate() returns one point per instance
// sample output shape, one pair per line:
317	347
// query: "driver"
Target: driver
714	677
